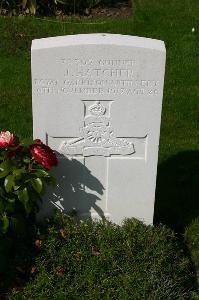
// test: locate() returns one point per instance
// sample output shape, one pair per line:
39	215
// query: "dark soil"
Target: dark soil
121	9
118	8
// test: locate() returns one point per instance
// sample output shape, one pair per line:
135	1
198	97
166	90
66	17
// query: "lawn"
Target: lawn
176	23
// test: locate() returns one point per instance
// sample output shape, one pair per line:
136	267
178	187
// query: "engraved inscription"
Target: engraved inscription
97	77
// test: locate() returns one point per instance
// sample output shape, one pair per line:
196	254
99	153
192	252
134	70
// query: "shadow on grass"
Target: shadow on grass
17	254
177	192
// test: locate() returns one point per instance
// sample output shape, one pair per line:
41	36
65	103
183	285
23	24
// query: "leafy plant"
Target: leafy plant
23	177
47	6
67	6
30	6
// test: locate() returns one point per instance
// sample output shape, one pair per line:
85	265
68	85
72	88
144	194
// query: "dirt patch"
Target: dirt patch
121	9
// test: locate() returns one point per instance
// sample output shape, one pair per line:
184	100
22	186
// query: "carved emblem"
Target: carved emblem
97	109
97	136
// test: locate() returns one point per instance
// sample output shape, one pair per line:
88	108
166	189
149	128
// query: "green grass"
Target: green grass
177	194
106	261
192	239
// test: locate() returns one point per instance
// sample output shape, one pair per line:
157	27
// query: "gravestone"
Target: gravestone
97	102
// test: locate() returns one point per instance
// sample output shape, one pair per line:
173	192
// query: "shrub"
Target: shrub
47	6
23	177
50	6
100	260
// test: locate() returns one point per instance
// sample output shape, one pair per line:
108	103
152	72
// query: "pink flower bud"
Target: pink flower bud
7	139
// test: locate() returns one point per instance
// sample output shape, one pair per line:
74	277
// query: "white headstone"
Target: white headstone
97	101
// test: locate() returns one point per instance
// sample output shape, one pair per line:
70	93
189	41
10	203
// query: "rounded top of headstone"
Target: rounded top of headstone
98	39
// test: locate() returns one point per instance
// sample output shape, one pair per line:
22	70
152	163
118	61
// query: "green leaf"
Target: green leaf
5	165
23	195
26	160
16	187
4	169
5	223
11	200
9	207
23	3
37	184
24	198
4	173
32	6
42	173
9	183
18	172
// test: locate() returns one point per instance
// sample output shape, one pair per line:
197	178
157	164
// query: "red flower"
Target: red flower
7	139
43	154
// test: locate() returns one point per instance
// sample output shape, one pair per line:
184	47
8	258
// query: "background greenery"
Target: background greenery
50	7
175	22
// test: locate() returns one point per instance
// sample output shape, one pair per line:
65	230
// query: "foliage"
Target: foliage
23	176
49	6
100	260
29	5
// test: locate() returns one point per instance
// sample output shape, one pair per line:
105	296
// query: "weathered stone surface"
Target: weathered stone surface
97	101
